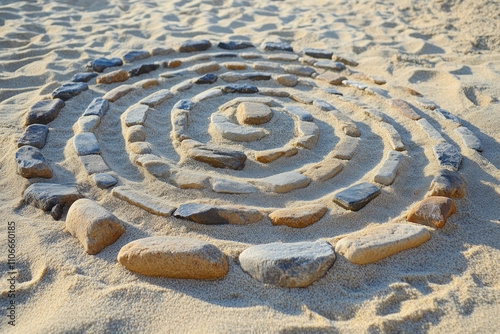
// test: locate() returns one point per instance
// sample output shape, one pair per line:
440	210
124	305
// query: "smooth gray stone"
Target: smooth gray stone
68	90
448	183
330	65
387	172
100	64
277	46
323	105
226	186
447	115
88	123
219	158
157	98
235	45
136	55
208	78
447	155
85	143
44	112
184	105
290	265
470	140
284	182
35	135
195	45
357	196
430	130
94	164
299	70
105	180
83	77
318	53
31	163
136	114
300	113
217	215
97	107
46	195
143	69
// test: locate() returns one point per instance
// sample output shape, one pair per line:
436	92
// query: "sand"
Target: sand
446	50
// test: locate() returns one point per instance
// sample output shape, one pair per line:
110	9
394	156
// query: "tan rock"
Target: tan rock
235	66
324	170
332	78
189	180
253	113
298	217
173	63
447	183
140	147
112	77
135	133
116	93
205	67
146	83
143	201
432	211
405	109
275	153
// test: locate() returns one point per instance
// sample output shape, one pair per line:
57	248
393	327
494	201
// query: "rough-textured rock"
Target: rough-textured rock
275	153
424	103
31	163
235	66
318	53
347	125
86	143
97	107
273	92
184	105
332	78
298	217
189	180
357	196
448	183
174	74
330	65
208	78
253	113
215	215
346	148
44	112
100	64
140	147
300	113
94	163
104	180
68	90
277	46
289	57
405	109
143	201
195	45
181	87
112	77
235	45
93	225
83	77
241	89
35	135
135	55
432	211
323	105
116	93
208	94
146	83
376	243
88	123
299	70
159	51
226	186
235	132
46	195
393	136
174	257
430	130
287	80
237	76
447	155
324	170
284	182
204	68
135	114
302	98
218	157
266	66
469	138
290	265
347	61
447	115
143	69
387	172
135	133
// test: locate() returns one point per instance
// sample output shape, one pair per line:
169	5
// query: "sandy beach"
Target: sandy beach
338	90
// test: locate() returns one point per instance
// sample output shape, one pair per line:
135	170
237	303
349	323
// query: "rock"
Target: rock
299	70
431	132
290	57
219	158
179	119
287	80
447	115
140	147
189	180
235	66
100	64
204	68
31	163
135	133
290	265
276	46
184	105
302	98
174	74
83	77
207	94
146	83
44	112
57	211
157	98
195	45
226	186
235	45
346	148
237	76
273	92
307	129
318	53
331	78
116	93
85	143
300	113
470	140
172	64
159	51
230	104
284	182
94	226
266	66
253	113
387	172
323	105
424	103
347	125
432	211
181	87
135	114
143	69
112	77
393	136
241	89
97	107
273	154
215	215
208	78
153	205
355	84
405	109
104	180
224	55
94	163
174	257
333	91
447	155
233	131
373	244
324	170
35	135
136	55
88	123
250	55
344	60
448	183
330	65
357	196
46	195
298	217
68	90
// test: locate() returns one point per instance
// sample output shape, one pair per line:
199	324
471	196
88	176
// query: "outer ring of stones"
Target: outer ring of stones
87	147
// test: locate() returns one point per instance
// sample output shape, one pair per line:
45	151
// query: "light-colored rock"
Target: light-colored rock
235	66
189	180
347	125
324	170
469	138
289	57
104	180
387	172
97	107
135	115
298	217
30	162
447	155
431	132
432	211
273	92
215	215
140	147
181	87
157	98
275	153
135	133
284	182
346	148
253	113
112	77
299	113
231	131
299	70
393	136
448	183
287	80
232	187
204	68
265	100
85	143
207	94
266	66
405	109
116	93
331	78
88	123
146	83
94	163
180	121
302	97
143	201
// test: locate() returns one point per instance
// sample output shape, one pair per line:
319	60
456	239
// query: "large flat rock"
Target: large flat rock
432	211
218	157
85	143
283	182
357	196
216	215
44	112
46	195
236	132
69	89
387	172
143	201
448	183
35	135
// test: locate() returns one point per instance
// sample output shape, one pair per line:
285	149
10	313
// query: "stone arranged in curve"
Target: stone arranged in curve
469	138
143	201
356	196
235	132
447	155
44	112
216	215
69	90
298	217
34	135
387	172
448	183
47	196
432	211
283	182
218	157
31	163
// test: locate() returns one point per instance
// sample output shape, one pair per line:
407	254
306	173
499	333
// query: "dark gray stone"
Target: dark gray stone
257	76
469	138
44	112
277	46
46	195
100	64
184	105
57	211
193	46
447	115
105	180
136	55
86	143
94	164
449	184
330	65
34	135
68	90
447	155
83	77
143	69
333	91
97	107
217	215
224	55
31	163
208	78
318	53
235	45
243	89
290	265
357	196
219	158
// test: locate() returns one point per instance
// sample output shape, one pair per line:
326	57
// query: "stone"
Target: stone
157	98
116	93
250	55
83	77
299	70
347	125
233	131
447	115
230	104
97	107
104	180
393	136
287	80
447	155
69	90
140	147
216	215
94	163
290	57
330	65
85	143
431	132
88	123
308	142
235	45
179	119
159	168
273	92
146	83
223	55
150	204
112	77
283	182
424	103
448	183
184	105
136	55
174	257
235	66
195	45
277	46
238	76
355	84
57	211
346	148
181	87
333	91
323	105
470	140
226	186
347	61
135	133
298	217
189	180
34	135
257	76
318	53
387	172
289	265
300	113
172	64
405	109
100	64
93	225
241	89
356	196
324	170
253	113
276	153
432	211
218	157
31	163
266	66
143	69
302	98
204	68
159	51
174	74
44	112
208	94
135	115
376	243
46	195
331	78
208	78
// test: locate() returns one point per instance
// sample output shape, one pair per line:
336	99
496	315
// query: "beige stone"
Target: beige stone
116	93
189	180
235	66
146	83
324	170
112	77
205	67
253	113
143	201
432	211
135	133
298	217
405	109
275	153
140	147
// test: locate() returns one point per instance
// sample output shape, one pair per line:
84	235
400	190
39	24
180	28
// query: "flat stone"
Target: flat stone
112	77
104	180
226	186
235	66
207	94
216	215
323	105
357	196
266	66
31	163
346	148
136	55
174	257
331	78
85	143
290	57
355	84
264	100
189	180
426	104
116	93
277	46
159	168
275	153
83	77
135	133
448	183
405	109
324	170
387	172
250	55
330	65
140	147
146	83
181	87
34	135
46	195
44	112
143	69
299	70
432	211
253	113
333	91
347	125
447	115
347	61
298	217
308	142
447	155
233	131
300	113
284	182
307	128
68	90
431	132
157	98
290	265
174	74
393	136
93	225
373	244
238	76
100	64
302	98
219	158
159	51
88	123
208	78
97	107
469	138
241	89
235	45
174	63
273	92
94	163
287	80
151	204
204	68
135	115
179	119
184	105
195	45
318	53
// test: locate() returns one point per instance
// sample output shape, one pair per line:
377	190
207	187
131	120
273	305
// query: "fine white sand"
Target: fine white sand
447	50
